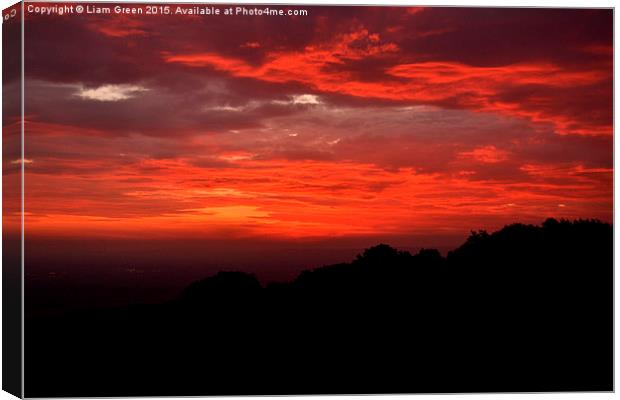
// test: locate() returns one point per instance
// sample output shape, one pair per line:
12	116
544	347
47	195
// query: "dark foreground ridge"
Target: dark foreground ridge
527	308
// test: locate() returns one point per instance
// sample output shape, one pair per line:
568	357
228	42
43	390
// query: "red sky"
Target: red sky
351	121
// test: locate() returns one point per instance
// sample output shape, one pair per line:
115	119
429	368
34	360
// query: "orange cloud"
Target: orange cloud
486	154
445	83
297	199
121	26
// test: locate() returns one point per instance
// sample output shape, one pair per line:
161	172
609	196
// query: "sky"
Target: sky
348	122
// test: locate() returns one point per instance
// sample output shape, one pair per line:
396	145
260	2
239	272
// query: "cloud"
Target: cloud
111	92
442	83
486	154
358	55
251	45
20	161
374	120
305	99
209	107
121	26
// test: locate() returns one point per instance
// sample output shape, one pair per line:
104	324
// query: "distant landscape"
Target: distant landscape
526	308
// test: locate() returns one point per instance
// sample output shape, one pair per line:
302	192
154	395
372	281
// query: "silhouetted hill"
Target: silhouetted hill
527	308
225	287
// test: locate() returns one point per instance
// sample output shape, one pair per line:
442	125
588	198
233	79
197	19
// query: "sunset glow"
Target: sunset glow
346	122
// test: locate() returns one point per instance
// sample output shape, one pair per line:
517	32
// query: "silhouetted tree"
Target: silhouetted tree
526	308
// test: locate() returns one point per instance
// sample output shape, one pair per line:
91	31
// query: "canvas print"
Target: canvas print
229	199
